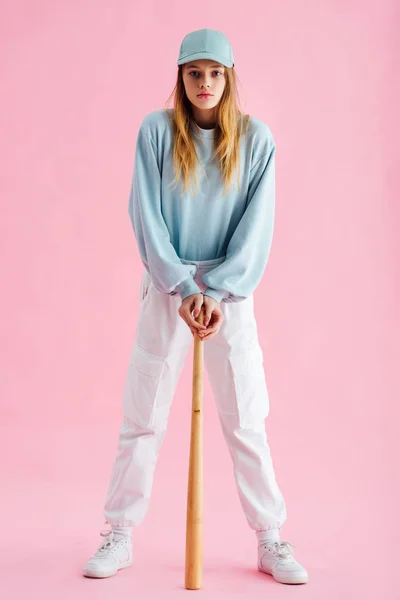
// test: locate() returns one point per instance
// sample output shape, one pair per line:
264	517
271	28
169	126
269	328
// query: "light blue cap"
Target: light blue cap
206	43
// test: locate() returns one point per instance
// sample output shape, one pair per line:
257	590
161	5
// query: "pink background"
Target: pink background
77	78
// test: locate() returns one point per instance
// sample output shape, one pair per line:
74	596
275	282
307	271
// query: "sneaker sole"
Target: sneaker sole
104	574
290	580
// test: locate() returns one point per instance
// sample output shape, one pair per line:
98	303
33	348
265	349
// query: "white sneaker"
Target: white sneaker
114	553
276	559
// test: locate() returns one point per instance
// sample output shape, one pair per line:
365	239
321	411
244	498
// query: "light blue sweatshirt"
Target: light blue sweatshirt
238	226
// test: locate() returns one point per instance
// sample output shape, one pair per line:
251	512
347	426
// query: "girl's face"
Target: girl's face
207	76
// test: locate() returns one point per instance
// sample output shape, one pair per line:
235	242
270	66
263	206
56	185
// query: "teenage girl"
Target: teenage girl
202	206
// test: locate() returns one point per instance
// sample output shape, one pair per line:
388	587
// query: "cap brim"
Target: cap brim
210	55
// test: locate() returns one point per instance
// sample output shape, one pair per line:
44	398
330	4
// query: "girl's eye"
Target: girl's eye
196	72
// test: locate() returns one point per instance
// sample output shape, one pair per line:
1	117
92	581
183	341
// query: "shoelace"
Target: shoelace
105	544
283	549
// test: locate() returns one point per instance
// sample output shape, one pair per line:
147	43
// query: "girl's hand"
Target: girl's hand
213	318
191	304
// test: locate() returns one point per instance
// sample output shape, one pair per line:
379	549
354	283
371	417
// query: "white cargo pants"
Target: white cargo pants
234	362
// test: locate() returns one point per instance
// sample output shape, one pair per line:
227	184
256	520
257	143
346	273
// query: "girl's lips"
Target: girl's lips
205	96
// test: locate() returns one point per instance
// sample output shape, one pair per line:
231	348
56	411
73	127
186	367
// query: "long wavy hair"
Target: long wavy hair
231	124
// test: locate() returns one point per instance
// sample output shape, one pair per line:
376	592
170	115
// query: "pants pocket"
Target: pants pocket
250	386
144	285
142	388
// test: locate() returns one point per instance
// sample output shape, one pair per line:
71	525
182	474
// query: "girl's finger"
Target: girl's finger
212	328
206	337
210	331
193	322
190	322
207	317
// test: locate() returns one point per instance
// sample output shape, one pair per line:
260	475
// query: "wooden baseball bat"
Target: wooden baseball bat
194	511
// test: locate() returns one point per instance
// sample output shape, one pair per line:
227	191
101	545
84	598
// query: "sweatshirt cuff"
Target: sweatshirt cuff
216	294
188	287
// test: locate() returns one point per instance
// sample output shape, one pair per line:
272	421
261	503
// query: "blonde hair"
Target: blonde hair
231	124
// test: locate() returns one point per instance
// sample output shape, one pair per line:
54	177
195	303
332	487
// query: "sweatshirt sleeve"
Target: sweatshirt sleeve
158	255
247	253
